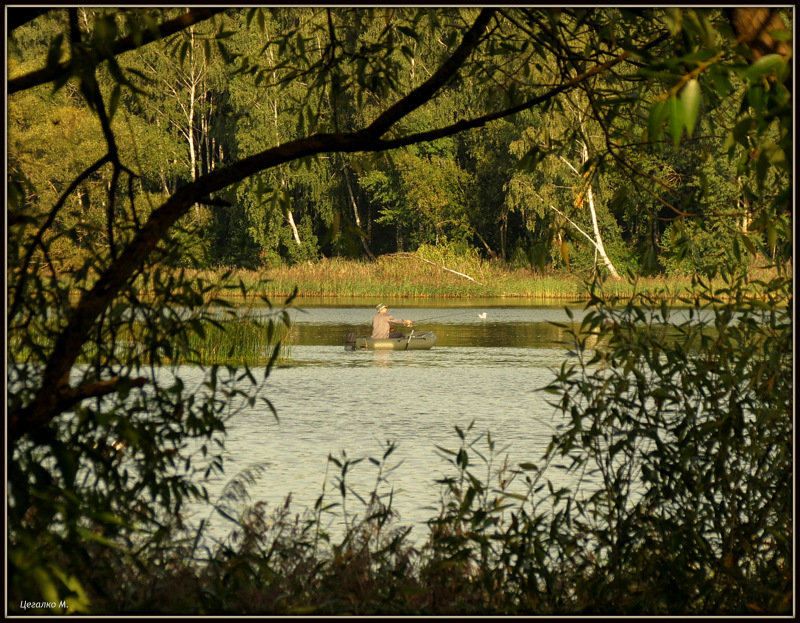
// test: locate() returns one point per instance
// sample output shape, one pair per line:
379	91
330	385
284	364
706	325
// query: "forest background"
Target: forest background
538	189
146	145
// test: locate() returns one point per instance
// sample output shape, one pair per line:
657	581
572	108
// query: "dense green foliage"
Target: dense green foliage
680	437
146	142
689	432
218	92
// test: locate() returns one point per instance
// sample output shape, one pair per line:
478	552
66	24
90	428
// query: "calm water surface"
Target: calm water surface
485	370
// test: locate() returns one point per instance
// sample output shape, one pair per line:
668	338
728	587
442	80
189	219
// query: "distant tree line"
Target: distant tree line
590	176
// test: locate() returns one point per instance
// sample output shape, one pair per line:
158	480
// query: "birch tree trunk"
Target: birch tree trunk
599	246
192	80
597	241
284	181
355	213
295	233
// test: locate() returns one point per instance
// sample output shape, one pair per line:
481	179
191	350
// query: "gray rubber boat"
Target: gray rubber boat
422	340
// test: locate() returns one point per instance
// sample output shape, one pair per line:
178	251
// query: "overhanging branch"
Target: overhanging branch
66	397
68	344
424	92
98	389
125	44
477	122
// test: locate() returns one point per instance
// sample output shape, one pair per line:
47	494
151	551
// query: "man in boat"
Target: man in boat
382	324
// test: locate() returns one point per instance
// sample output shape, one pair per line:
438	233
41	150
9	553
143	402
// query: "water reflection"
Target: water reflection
515	327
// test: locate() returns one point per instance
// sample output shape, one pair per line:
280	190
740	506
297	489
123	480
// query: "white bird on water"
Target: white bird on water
482	315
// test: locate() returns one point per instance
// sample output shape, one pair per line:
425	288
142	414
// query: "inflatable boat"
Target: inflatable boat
421	340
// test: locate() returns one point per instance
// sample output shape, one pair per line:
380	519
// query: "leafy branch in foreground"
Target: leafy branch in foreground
680	421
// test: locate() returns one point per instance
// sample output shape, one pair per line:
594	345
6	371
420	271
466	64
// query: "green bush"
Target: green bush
686	426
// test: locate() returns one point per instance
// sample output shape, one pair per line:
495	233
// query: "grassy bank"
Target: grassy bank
408	276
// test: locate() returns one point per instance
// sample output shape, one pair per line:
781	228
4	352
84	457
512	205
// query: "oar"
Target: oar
408	341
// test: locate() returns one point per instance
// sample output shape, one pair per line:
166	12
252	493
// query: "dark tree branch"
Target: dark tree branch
477	122
48	74
424	92
37	239
74	29
100	388
112	156
55	379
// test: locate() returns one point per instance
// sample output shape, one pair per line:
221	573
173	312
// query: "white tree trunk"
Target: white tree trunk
295	233
599	246
284	182
597	241
355	213
190	114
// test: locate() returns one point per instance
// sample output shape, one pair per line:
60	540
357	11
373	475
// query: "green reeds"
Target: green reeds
242	341
407	276
237	341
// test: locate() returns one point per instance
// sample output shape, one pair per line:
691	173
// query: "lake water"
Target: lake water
487	368
329	401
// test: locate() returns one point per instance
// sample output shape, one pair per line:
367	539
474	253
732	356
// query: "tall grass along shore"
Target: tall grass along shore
404	276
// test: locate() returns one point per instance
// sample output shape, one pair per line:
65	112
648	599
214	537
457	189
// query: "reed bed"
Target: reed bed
235	342
242	341
402	276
